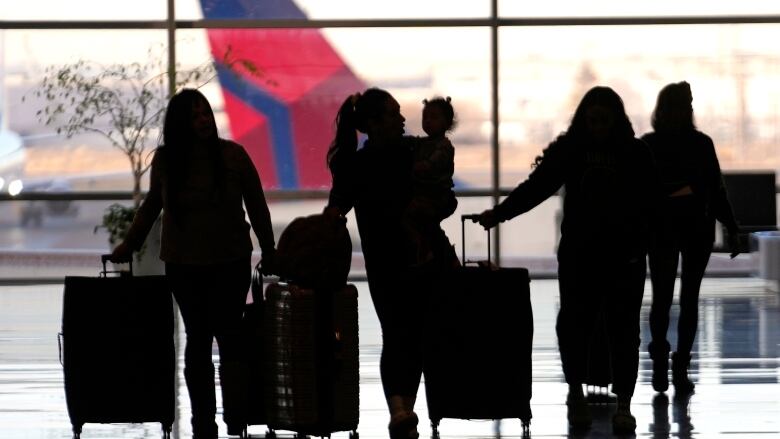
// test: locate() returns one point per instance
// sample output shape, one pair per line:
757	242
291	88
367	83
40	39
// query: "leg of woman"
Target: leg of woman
400	367
191	293
623	308
663	259
580	300
403	349
695	256
228	298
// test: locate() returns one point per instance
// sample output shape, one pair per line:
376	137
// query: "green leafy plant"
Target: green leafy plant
116	220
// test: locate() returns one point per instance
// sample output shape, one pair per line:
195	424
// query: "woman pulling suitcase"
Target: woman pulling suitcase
609	186
201	183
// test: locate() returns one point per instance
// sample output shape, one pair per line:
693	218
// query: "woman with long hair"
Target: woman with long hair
609	191
202	183
376	181
693	197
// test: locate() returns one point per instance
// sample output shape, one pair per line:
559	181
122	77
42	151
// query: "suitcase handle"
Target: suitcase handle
472	217
106	258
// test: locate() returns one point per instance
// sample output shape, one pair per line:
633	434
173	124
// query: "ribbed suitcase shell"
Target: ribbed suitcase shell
312	359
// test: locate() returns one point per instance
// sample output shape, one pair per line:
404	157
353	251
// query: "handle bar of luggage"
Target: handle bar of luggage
107	258
474	217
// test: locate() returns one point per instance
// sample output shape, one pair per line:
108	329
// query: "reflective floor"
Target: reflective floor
736	368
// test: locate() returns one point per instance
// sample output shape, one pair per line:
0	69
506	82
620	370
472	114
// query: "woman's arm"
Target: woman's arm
720	205
145	216
541	184
342	192
256	205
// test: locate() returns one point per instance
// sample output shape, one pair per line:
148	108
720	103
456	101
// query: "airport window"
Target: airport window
336	9
618	8
79	10
734	72
512	98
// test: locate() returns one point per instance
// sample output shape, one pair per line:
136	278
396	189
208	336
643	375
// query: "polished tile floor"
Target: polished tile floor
736	367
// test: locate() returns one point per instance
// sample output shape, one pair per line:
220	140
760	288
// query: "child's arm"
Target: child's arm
441	161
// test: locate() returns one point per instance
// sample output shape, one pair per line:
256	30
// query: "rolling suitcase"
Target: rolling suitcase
117	350
251	403
312	364
478	345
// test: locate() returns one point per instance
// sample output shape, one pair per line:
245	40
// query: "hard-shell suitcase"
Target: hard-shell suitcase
117	350
478	345
312	364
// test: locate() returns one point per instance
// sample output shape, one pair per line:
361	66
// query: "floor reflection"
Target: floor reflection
736	367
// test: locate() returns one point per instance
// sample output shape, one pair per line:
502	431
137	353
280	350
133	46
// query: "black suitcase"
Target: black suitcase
253	340
117	350
478	345
312	363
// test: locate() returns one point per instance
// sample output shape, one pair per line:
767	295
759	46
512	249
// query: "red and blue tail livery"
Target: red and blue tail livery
283	114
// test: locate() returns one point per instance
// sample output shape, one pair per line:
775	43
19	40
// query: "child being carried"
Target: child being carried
433	198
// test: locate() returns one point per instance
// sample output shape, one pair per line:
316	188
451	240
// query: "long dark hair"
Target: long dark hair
353	115
673	109
578	129
178	137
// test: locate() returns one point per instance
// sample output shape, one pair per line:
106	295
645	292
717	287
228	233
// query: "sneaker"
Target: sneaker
578	412
623	422
404	426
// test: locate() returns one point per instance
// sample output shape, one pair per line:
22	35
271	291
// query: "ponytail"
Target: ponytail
354	115
345	142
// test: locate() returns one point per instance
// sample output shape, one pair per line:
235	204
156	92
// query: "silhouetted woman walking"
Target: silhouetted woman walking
202	183
376	181
693	198
609	193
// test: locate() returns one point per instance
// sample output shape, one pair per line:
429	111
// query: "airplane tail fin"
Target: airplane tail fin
283	113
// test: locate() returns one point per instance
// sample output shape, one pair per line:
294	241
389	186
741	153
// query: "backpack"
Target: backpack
315	252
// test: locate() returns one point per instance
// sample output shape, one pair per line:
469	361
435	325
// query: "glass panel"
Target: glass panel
734	72
33	150
618	8
83	10
53	225
283	110
332	9
35	157
534	234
